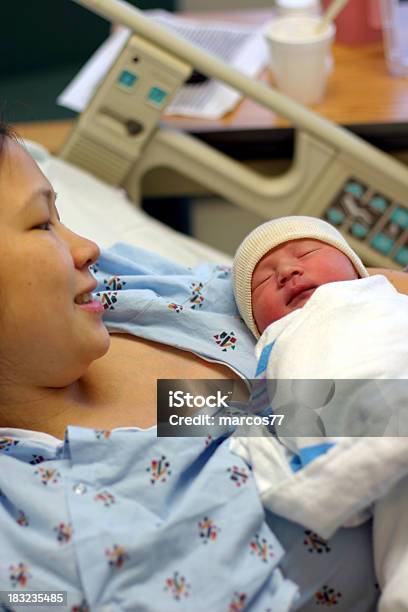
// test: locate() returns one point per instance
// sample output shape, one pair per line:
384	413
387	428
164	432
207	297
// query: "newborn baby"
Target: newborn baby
308	299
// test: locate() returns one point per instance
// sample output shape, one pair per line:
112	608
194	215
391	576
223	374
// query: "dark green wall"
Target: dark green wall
42	46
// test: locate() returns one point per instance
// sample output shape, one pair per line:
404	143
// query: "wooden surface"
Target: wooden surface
360	91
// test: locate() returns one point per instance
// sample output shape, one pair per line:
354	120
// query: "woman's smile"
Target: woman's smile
93	305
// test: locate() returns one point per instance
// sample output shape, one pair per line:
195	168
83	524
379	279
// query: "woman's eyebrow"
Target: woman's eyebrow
43	192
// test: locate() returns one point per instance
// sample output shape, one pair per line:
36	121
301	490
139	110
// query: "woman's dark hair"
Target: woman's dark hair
4	131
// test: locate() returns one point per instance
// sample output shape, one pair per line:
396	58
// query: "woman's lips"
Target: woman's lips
94	306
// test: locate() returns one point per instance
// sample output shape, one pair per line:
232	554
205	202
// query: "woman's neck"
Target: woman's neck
41	409
118	390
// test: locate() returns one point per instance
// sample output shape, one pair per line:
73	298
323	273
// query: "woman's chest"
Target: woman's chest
125	380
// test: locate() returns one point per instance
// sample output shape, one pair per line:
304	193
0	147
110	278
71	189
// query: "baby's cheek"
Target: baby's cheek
259	303
256	307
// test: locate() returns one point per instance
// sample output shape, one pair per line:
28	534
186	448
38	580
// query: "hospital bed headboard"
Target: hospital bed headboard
334	174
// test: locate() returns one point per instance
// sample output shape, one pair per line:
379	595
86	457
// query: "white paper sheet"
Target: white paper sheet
241	47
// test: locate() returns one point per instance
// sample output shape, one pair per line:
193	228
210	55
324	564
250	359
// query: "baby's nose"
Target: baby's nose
287	273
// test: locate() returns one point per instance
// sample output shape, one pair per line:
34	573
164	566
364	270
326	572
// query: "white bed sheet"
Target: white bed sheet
105	214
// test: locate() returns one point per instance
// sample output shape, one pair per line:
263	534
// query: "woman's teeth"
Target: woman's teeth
85	298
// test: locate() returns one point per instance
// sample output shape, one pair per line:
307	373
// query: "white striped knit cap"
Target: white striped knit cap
270	235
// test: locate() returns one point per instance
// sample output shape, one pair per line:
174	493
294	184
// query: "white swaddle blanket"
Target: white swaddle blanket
347	330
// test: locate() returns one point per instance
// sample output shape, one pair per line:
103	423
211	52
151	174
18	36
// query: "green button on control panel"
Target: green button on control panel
335	216
382	243
157	96
402	256
359	230
127	78
400	216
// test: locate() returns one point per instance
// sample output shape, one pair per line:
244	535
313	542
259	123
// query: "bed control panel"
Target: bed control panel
376	221
125	110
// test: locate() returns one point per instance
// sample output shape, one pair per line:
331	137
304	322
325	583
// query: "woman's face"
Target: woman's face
47	339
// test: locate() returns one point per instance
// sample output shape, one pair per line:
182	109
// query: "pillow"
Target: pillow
106	215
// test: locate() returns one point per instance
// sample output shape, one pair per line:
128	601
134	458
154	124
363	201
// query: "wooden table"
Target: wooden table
361	95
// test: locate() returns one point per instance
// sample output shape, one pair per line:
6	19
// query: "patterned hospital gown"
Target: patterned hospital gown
123	520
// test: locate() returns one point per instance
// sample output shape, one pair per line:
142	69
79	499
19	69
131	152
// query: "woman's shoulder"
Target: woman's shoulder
398	278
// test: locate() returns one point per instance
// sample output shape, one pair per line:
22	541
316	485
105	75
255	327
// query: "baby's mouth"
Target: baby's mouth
299	295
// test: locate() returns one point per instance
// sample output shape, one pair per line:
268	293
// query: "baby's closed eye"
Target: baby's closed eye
308	252
263	281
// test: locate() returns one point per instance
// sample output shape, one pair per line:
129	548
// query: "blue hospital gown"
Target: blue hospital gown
123	520
149	296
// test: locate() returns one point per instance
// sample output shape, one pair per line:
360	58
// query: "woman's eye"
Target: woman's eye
46	226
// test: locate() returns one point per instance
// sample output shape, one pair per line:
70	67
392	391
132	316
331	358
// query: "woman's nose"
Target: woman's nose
87	253
84	251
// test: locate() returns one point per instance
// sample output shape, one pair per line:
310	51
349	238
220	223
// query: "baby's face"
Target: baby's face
286	277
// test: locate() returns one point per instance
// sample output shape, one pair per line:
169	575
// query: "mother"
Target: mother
119	519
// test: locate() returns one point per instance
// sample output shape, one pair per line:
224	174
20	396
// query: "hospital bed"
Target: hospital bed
85	204
334	174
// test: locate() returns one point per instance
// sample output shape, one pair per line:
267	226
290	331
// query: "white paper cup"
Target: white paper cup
300	59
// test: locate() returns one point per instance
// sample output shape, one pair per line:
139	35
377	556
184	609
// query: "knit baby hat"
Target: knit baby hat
270	235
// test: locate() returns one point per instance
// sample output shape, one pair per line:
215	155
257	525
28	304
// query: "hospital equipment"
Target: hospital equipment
241	46
334	174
